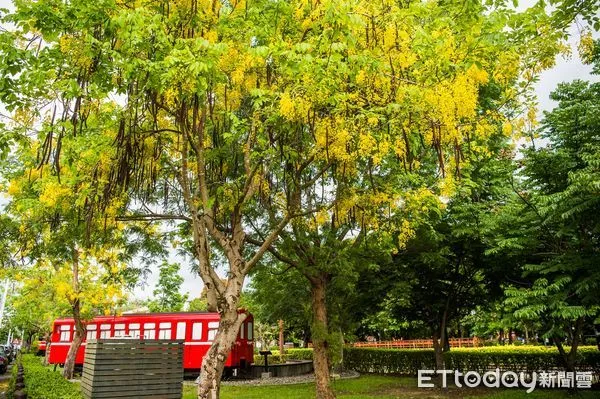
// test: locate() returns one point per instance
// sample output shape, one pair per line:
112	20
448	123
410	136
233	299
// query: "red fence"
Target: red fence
420	343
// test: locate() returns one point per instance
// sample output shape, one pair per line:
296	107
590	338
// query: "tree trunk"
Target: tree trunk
76	344
79	327
597	331
438	351
319	337
342	344
47	354
306	337
213	363
281	348
570	358
446	340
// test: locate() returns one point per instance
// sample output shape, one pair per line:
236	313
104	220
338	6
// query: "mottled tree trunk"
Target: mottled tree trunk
319	338
213	363
79	327
76	344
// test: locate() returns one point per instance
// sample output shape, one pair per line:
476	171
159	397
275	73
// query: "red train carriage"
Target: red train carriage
197	329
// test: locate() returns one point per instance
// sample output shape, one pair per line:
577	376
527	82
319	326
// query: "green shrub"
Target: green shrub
290	354
259	360
44	383
388	361
299	354
12	382
513	358
524	358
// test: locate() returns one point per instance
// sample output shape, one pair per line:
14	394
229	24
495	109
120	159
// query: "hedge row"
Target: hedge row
290	354
299	354
388	361
44	383
528	359
409	361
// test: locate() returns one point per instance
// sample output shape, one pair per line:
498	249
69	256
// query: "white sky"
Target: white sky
564	71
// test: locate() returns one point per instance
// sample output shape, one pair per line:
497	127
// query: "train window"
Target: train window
213	326
65	333
197	331
119	330
164	334
181	330
104	331
250	331
164	331
149	330
242	331
134	330
91	331
149	334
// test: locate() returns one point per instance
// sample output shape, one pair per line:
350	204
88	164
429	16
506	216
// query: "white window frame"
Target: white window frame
149	330
250	331
104	331
164	334
197	331
134	330
65	333
164	331
181	329
119	330
213	326
91	333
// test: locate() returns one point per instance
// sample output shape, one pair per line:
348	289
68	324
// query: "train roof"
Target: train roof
167	315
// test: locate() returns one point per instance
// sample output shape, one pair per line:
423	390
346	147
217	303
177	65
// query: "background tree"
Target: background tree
412	131
62	225
443	272
553	224
167	296
269	293
197	305
35	306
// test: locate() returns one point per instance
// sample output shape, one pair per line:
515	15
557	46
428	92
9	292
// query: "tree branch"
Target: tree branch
266	244
151	217
273	251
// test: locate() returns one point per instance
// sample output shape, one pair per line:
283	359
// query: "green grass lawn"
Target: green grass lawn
383	387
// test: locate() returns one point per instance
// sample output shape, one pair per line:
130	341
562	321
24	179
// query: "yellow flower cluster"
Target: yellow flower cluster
586	47
293	108
406	232
74	48
54	194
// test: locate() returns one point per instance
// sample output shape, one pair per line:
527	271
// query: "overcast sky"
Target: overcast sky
565	70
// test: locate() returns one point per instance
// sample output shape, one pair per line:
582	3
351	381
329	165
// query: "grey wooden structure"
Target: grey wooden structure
132	368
